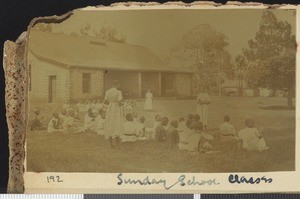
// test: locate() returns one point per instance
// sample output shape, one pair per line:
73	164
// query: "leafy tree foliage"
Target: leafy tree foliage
271	56
203	50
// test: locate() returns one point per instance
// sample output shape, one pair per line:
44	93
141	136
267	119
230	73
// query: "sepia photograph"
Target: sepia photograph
163	91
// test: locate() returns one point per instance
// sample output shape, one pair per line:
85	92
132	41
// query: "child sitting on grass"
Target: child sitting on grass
181	125
161	130
172	135
129	134
184	136
252	138
189	121
62	116
140	127
151	131
36	123
80	106
196	118
89	121
53	126
227	136
193	138
100	120
157	121
71	124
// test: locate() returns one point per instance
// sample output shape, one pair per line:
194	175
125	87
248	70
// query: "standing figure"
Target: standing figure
202	107
148	103
114	121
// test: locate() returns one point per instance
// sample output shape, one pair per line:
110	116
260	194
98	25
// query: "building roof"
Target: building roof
89	52
233	83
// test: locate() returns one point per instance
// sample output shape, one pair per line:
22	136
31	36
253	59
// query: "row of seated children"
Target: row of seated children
134	128
94	105
192	136
68	122
186	135
249	138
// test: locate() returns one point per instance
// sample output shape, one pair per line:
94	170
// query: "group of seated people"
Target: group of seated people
68	120
249	138
188	134
184	133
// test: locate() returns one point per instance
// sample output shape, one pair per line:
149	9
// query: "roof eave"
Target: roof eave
133	70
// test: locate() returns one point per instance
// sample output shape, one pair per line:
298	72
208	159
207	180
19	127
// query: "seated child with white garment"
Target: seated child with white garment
181	125
228	137
62	116
195	136
76	114
157	122
53	126
71	124
66	105
150	131
184	135
190	117
87	105
161	130
129	134
99	105
193	139
89	123
252	139
80	106
100	121
135	117
140	128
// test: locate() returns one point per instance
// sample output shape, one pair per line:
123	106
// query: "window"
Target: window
86	82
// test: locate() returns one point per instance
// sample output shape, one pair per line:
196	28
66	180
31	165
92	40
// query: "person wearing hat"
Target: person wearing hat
114	120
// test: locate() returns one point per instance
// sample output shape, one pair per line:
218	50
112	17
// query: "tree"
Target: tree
202	50
271	56
107	33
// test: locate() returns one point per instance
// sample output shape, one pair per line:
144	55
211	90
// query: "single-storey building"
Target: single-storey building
68	68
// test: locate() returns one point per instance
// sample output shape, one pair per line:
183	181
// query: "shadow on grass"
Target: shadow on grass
278	108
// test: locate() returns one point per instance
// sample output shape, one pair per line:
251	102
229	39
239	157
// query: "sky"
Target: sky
160	30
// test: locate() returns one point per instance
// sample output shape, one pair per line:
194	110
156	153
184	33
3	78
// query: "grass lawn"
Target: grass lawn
89	152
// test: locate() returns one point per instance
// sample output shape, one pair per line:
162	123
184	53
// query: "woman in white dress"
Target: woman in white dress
148	103
114	120
202	107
